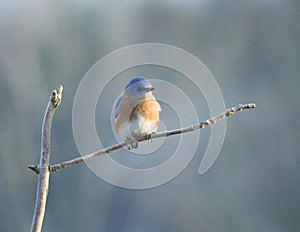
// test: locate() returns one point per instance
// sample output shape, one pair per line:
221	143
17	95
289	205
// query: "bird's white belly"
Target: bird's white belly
137	127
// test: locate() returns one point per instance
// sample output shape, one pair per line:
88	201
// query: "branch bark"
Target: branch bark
43	168
213	120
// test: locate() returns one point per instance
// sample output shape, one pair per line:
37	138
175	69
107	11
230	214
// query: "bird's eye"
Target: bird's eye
138	89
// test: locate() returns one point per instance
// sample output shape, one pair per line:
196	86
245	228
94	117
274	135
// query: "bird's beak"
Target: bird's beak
149	89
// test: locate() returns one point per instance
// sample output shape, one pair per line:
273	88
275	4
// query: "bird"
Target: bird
136	112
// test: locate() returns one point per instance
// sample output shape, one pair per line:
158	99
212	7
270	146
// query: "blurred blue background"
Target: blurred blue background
252	49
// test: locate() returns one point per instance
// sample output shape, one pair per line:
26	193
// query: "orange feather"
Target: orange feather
129	107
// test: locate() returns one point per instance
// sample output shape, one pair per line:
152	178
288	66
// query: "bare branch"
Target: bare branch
34	168
43	168
213	120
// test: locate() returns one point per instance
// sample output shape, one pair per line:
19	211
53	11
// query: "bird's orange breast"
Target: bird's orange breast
129	108
149	109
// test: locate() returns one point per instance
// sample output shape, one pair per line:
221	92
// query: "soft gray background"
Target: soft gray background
252	49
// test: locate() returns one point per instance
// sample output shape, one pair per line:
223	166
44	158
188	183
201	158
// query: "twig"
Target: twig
43	169
213	120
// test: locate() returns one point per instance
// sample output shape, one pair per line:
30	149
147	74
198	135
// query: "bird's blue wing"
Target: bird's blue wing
117	107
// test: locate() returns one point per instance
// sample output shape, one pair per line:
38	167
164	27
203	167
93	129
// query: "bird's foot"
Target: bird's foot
131	143
150	137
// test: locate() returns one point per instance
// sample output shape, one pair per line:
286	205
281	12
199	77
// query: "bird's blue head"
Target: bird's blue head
138	87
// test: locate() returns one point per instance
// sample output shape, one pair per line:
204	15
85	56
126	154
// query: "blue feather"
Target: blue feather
117	107
135	80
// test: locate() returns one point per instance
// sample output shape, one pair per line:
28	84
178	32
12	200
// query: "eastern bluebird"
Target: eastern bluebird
136	111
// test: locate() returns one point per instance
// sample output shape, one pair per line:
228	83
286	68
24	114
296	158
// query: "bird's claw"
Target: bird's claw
150	137
131	143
